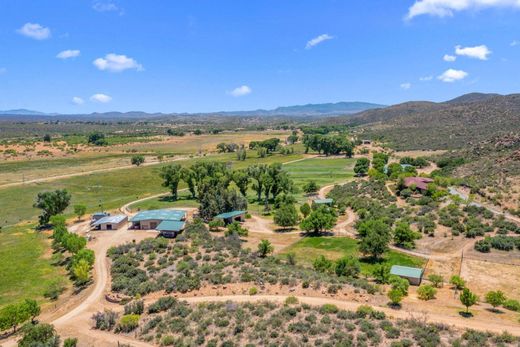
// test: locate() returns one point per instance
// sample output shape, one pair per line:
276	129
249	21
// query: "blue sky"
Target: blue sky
195	56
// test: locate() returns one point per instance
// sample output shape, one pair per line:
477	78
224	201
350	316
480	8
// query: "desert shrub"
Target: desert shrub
426	292
253	291
328	308
436	280
512	305
128	323
104	320
134	307
483	246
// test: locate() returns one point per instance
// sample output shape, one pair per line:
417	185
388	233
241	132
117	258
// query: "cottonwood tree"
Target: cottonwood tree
305	209
51	204
362	166
404	236
319	220
375	243
80	210
286	216
242	180
171	176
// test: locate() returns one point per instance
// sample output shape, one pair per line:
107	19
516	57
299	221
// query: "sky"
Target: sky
87	56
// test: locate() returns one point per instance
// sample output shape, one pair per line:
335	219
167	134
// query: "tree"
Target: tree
256	172
362	166
286	216
47	138
374	243
404	236
457	282
426	292
468	299
347	266
395	296
310	187
318	220
305	209
171	176
399	284
51	204
216	224
80	210
73	243
264	248
32	308
241	154
81	271
137	159
97	139
41	335
436	280
86	254
376	225
13	315
241	179
70	342
381	273
495	298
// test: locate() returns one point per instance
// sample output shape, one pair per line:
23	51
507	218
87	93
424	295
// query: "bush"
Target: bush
253	291
347	266
512	305
436	280
400	284
483	246
364	311
426	292
457	282
135	307
163	304
104	320
328	308
291	300
70	342
128	323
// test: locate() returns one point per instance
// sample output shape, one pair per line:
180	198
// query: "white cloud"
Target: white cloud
478	52
448	57
101	98
446	8
117	63
514	43
452	75
69	53
425	78
241	91
406	85
105	6
35	31
77	100
317	40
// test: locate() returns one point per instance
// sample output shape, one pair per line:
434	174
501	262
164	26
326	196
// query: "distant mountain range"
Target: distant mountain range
326	109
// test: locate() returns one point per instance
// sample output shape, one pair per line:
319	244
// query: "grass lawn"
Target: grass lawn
25	268
309	248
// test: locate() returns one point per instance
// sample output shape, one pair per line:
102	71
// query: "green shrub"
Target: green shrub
253	291
291	300
328	308
426	292
128	322
512	305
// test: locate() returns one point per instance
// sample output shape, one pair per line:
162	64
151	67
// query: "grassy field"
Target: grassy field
25	268
309	248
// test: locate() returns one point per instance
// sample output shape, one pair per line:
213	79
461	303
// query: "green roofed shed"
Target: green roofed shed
151	219
233	216
412	274
170	228
324	201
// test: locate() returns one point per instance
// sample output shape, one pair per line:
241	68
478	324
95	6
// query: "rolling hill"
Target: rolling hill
463	121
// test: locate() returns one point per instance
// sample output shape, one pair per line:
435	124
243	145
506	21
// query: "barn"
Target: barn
148	220
412	274
110	222
326	202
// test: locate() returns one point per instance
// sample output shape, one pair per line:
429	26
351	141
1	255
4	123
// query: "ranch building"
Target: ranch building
149	220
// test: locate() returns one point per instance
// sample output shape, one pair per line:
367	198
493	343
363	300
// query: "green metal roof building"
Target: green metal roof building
170	228
412	274
324	201
148	220
233	216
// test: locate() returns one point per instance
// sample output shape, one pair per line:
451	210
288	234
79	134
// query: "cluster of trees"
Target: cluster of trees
362	166
82	259
51	204
13	315
175	132
328	144
43	335
293	138
417	162
97	139
319	219
227	147
209	183
270	145
343	267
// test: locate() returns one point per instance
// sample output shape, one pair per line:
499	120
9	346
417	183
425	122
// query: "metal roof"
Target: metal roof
230	214
110	220
175	215
170	225
323	201
99	214
406	271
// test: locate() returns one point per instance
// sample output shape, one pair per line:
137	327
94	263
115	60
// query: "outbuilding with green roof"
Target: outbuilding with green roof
232	216
412	274
151	219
